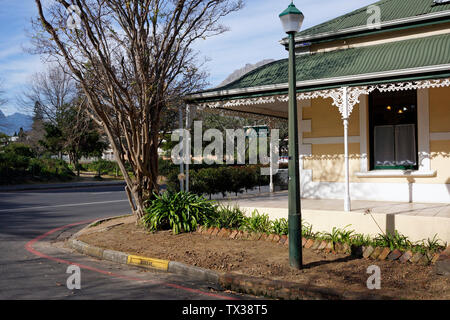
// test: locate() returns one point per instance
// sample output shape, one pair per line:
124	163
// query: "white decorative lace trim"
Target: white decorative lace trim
338	95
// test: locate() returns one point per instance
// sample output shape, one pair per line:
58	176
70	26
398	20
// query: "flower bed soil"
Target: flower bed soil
271	260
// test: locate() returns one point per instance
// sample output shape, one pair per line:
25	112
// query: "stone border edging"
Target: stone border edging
368	252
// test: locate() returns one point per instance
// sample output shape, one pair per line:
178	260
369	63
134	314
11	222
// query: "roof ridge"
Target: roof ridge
347	15
391	11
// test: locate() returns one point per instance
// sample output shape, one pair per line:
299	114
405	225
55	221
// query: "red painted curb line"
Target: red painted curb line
29	248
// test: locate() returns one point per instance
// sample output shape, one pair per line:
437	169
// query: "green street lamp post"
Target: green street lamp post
292	20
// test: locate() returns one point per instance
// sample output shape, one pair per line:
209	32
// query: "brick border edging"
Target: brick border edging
367	252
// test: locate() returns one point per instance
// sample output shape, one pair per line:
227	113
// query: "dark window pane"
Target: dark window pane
405	145
384	146
393	134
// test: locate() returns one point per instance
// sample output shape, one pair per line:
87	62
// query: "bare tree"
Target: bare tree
52	90
132	59
3	101
2	94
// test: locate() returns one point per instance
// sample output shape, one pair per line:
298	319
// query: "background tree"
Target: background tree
53	140
218	119
81	135
2	94
37	132
132	60
50	91
3	101
22	137
60	122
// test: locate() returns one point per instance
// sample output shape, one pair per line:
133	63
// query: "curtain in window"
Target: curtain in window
405	145
384	149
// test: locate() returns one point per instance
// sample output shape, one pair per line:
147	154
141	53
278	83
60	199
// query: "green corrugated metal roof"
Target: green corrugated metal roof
390	10
407	54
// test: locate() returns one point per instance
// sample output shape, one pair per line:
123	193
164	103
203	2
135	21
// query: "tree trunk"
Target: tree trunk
77	166
139	186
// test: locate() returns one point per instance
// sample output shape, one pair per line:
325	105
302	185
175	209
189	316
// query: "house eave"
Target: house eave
325	82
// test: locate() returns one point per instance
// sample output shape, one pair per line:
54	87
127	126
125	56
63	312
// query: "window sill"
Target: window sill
396	174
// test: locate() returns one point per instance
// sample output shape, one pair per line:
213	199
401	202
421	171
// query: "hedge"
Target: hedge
221	179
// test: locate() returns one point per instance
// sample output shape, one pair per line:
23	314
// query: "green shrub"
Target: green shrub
218	179
165	167
433	245
338	235
19	149
258	223
18	165
393	241
236	180
207	181
16	156
280	226
360	240
48	168
227	217
102	167
307	230
179	212
173	184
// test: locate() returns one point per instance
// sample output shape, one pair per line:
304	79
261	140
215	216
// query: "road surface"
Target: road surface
32	267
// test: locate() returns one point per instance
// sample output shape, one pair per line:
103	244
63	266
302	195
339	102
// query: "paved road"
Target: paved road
24	216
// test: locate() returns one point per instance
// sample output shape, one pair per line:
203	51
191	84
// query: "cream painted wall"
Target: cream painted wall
327	162
327	159
440	161
327	121
440	109
440	123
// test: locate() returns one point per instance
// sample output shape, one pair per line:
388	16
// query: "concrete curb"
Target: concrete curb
289	290
194	272
146	262
61	186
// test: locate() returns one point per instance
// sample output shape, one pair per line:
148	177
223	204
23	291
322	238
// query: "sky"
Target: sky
254	35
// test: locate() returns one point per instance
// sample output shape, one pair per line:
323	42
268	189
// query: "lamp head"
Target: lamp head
291	19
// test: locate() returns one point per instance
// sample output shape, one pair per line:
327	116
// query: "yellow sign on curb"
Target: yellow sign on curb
148	262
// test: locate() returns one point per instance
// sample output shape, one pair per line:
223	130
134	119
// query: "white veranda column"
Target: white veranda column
180	119
188	146
271	167
347	203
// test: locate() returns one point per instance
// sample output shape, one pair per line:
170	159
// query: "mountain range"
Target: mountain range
242	71
12	123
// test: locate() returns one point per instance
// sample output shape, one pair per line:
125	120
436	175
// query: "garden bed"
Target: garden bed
267	259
